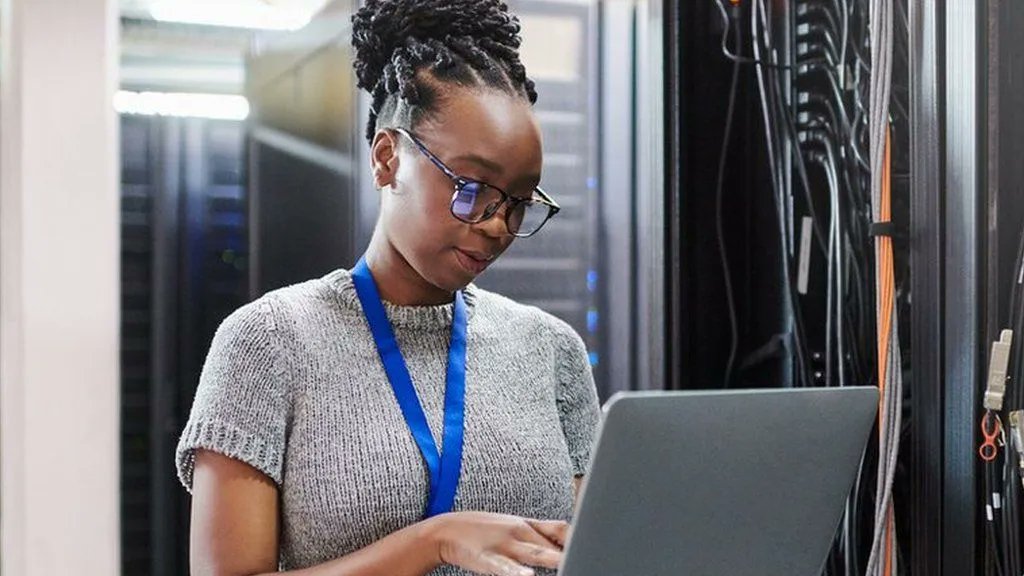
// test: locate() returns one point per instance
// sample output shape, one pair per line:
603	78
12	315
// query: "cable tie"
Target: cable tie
883	229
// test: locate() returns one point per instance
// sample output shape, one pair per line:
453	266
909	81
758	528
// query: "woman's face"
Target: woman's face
483	135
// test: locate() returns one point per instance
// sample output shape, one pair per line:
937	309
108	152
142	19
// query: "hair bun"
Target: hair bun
381	27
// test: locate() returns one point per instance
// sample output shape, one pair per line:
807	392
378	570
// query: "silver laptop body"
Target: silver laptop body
719	483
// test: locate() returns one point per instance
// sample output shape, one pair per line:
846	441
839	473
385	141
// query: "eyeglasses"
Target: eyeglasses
474	202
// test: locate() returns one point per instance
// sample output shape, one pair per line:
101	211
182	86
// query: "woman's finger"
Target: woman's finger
498	565
533	554
529	533
555	531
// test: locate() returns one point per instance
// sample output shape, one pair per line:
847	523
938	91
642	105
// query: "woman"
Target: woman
395	419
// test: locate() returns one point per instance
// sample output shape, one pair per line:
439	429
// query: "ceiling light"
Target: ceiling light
232	13
213	106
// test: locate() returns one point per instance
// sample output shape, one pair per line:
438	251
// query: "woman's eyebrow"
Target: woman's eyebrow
484	163
532	179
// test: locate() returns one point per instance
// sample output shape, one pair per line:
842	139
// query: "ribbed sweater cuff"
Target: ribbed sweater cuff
228	441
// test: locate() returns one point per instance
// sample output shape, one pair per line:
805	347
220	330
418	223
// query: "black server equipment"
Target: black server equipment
184	269
303	152
794	189
559	270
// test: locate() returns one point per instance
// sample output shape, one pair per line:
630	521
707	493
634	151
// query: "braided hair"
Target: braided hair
409	51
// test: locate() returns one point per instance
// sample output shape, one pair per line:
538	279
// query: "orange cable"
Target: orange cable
888	295
886	305
889	527
885	270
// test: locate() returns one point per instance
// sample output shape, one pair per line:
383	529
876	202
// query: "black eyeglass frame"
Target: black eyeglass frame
540	196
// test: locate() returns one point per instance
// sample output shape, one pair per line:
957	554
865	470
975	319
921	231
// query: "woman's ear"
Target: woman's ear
384	158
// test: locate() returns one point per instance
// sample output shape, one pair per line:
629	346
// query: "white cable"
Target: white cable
759	69
782	207
834	342
846	38
881	26
830	284
839	234
839	255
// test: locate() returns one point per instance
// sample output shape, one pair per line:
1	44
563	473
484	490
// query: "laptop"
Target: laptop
719	483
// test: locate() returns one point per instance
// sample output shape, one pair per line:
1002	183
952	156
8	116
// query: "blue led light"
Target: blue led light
592	317
592	281
594	358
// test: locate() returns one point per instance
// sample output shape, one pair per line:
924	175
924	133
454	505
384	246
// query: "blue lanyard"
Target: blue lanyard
445	467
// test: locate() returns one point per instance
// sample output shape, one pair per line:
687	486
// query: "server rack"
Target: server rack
964	211
772	348
138	158
303	152
560	269
184	269
926	447
967	211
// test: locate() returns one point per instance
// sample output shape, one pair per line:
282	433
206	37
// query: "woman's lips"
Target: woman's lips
474	262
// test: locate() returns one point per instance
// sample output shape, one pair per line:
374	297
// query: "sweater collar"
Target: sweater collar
414	317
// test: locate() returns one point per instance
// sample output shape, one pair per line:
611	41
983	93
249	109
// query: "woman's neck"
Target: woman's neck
397	281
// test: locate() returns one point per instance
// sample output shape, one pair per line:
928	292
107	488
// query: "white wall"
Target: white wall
59	262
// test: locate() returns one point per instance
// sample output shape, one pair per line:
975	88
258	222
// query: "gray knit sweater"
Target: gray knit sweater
293	386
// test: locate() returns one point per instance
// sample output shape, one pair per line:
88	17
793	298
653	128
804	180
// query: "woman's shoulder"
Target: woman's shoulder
314	294
286	307
504	313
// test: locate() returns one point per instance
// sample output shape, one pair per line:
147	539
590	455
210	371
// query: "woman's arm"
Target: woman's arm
235	532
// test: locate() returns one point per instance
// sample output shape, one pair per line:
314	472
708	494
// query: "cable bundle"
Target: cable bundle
1002	427
883	559
829	143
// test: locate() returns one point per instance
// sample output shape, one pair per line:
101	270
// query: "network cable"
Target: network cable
837	129
719	220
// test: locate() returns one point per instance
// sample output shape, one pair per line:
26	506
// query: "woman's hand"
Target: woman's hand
498	545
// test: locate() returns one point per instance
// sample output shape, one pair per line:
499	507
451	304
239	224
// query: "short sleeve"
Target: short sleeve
577	399
241	407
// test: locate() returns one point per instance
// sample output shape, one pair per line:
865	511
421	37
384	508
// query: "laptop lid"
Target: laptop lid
719	483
